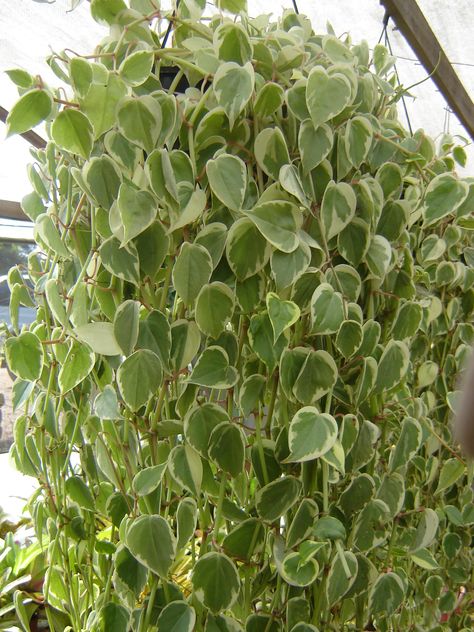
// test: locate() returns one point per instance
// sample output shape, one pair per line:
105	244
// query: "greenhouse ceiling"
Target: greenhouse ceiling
32	28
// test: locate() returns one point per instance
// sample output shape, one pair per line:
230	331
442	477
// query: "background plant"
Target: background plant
254	301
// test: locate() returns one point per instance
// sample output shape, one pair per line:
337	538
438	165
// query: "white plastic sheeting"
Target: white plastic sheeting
29	29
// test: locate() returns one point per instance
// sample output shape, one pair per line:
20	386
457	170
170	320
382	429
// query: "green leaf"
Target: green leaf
72	131
314	144
106	11
216	582
227	448
213	237
154	333
424	559
444	194
32	108
126	324
261	339
78	364
233	87
152	247
451	472
358	139
273	500
227	177
327	310
192	269
129	575
79	493
233	6
317	376
337	208
113	617
329	528
80	71
326	95
100	338
407	321
139	377
25	356
136	68
387	594
177	616
245	539
121	261
393	366
214	308
137	211
212	369
282	314
185	467
152	543
278	222
140	121
147	480
247	250
271	151
56	302
311	434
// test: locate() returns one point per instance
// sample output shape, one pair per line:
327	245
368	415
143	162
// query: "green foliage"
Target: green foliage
255	301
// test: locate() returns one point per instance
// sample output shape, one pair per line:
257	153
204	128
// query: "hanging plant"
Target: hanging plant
254	296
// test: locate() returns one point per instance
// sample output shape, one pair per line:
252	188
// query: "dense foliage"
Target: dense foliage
255	298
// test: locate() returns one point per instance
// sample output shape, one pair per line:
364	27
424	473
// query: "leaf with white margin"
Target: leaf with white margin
271	151
247	250
192	269
326	95
214	308
139	120
137	211
444	194
314	144
216	582
233	87
212	369
279	222
139	378
317	377
227	177
46	232
327	309
387	594
393	366
358	139
151	541
379	256
78	364
100	338
311	435
273	500
337	208
185	467
25	356
287	267
177	616
227	448
426	530
282	314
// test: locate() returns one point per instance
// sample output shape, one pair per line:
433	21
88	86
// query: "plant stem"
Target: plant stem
220	502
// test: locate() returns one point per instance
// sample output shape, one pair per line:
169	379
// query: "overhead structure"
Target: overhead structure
410	20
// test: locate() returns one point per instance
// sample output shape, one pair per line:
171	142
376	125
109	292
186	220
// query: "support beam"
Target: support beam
12	210
32	137
410	20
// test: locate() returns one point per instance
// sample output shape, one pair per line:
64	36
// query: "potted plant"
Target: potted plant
253	301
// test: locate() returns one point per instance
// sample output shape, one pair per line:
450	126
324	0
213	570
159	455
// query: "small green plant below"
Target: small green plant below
255	300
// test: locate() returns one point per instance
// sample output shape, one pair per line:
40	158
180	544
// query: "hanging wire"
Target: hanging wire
170	26
295	7
388	44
